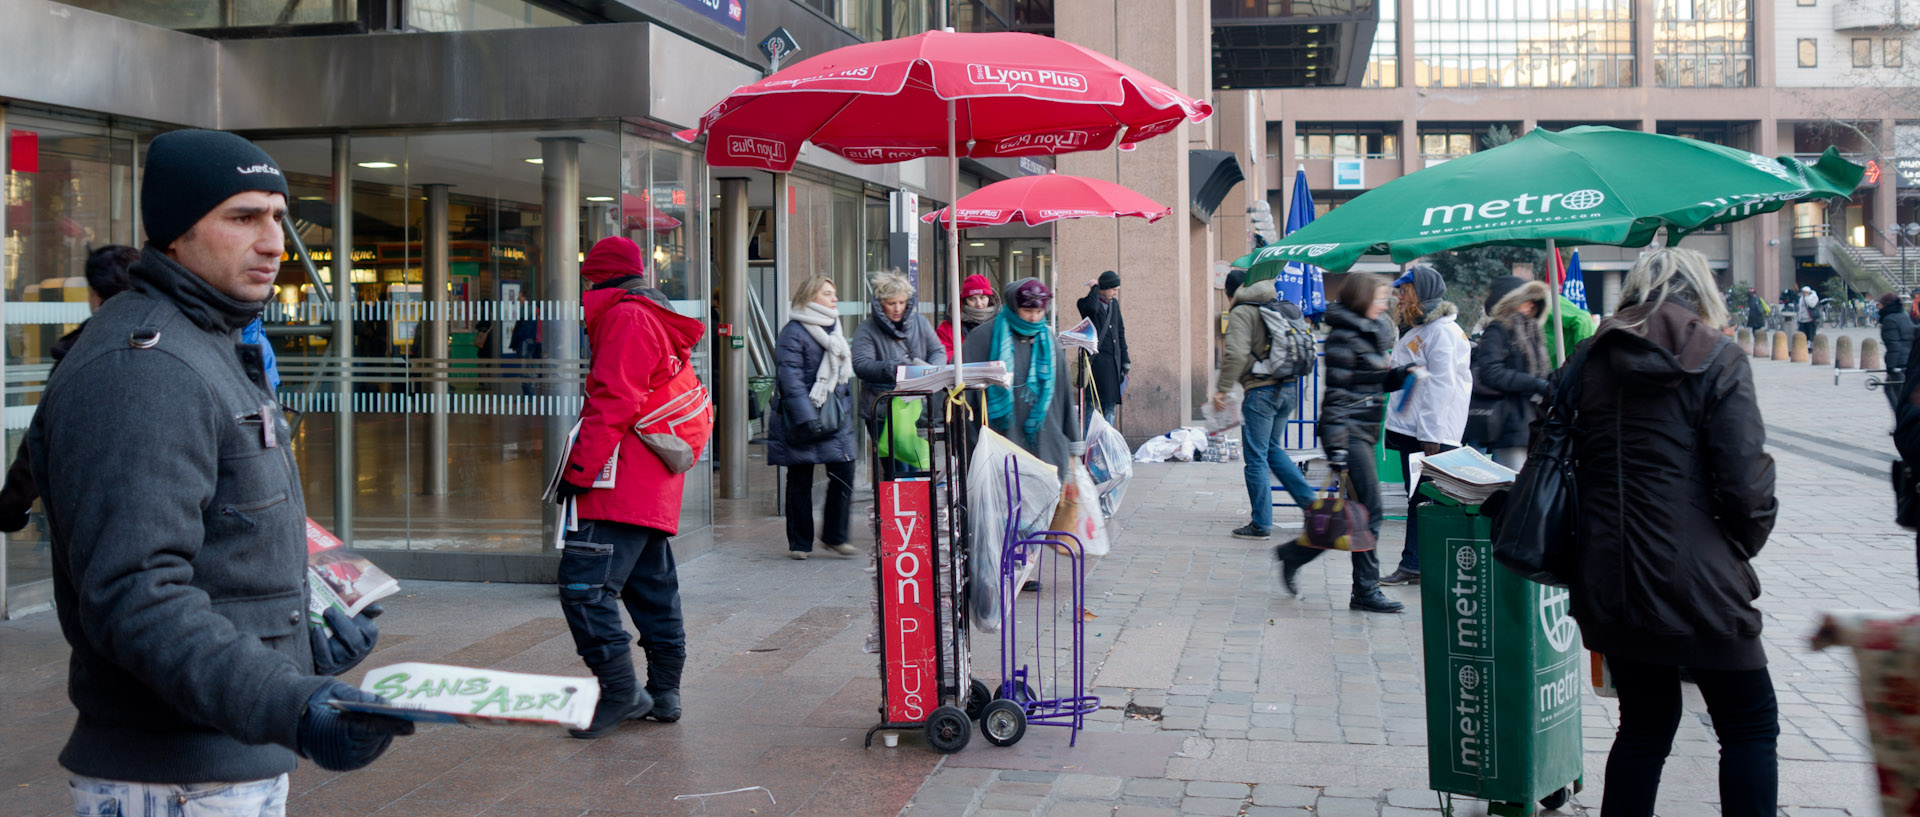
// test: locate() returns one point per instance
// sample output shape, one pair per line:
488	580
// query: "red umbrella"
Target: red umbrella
942	94
1036	200
637	214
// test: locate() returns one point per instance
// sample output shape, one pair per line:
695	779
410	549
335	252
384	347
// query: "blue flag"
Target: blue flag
1304	285
1575	287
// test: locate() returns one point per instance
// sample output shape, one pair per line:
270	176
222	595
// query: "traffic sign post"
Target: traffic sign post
778	47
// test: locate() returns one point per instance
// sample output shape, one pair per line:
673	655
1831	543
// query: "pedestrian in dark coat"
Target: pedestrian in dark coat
1757	310
1359	376
812	367
1896	334
177	522
1510	368
1676	496
1110	367
893	335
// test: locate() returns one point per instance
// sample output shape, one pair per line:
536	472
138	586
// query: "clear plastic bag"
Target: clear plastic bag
1226	417
988	504
1087	523
1109	464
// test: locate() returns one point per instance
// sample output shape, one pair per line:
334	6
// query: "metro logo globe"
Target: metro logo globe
1469	678
1466	559
1582	199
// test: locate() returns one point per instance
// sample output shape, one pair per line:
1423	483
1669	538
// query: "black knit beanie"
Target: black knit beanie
190	172
1109	280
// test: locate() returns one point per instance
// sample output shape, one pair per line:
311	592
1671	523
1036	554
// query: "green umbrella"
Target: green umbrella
1585	185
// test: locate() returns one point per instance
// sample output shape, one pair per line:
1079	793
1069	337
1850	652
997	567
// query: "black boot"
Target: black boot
663	683
620	698
1374	602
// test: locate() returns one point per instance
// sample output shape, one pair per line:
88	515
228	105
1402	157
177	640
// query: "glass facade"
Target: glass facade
190	14
876	19
1703	44
68	188
1383	62
1523	43
480	15
1326	141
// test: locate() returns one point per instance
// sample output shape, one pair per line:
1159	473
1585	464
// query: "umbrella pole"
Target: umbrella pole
953	237
1053	270
1553	267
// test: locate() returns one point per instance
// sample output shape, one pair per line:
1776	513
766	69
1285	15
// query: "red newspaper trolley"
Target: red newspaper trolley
921	571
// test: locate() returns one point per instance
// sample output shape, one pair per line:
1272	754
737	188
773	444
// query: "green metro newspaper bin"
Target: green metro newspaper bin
1504	680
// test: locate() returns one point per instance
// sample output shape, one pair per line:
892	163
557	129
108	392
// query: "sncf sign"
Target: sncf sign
907	598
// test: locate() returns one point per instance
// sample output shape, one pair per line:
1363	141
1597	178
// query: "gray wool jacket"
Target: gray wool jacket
179	556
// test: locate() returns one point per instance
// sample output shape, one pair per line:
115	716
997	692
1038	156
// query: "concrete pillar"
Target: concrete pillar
1403	28
344	475
730	353
1885	207
1765	237
1154	260
560	289
1007	259
1643	53
436	350
1410	161
3	296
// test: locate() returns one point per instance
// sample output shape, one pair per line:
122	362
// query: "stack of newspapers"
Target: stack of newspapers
930	378
1466	475
1082	336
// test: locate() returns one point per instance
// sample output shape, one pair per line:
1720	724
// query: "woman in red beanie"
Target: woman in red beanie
977	305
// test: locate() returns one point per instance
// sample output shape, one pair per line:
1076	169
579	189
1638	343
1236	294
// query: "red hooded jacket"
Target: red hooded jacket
635	343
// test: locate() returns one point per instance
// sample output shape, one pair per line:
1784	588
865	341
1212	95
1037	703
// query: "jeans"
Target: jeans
1514	458
605	561
1366	491
1264	421
1809	328
833	518
1745	717
93	797
1410	552
1109	410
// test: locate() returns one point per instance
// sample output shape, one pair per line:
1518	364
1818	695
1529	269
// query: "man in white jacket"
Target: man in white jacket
1806	313
1434	413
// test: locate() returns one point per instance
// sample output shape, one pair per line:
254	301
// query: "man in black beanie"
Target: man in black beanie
183	589
1110	366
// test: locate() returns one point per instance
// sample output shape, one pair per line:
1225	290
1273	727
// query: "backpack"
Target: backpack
1290	353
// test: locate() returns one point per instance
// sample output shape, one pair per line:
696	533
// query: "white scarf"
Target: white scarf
836	366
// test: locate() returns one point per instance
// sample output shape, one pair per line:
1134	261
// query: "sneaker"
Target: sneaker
1252	531
843	549
1376	602
797	555
1399	577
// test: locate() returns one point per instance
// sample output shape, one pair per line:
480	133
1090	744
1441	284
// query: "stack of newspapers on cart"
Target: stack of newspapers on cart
1462	474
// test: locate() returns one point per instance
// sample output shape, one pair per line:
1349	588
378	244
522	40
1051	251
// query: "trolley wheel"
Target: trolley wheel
948	730
978	696
1556	799
1004	723
1023	694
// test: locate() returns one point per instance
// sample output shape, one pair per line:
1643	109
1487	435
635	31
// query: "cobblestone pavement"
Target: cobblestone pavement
1220	696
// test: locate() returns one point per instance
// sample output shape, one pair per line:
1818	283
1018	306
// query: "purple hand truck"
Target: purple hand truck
1054	694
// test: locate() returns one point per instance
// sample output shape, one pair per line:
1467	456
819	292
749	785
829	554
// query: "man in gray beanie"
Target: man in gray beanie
177	522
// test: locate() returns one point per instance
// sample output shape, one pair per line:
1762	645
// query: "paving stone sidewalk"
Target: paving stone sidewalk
1219	695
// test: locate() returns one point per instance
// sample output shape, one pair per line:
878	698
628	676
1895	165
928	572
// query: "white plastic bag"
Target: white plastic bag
988	506
1226	417
1191	440
1109	464
1158	449
1089	526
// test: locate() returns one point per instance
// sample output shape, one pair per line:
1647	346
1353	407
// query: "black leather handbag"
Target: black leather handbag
827	421
1906	496
1533	533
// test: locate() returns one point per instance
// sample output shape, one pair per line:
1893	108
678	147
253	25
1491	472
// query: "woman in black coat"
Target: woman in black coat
1359	375
1896	334
813	365
1510	368
1676	495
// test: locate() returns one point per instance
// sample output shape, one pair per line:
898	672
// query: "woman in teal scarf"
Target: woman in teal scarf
1033	414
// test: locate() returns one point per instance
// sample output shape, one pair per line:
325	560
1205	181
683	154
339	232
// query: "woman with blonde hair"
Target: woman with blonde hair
812	422
1675	497
893	335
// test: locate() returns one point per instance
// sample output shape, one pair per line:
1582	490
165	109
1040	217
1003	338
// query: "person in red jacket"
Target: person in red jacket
620	550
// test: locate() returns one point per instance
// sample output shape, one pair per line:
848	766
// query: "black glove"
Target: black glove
1337	461
569	490
351	642
344	741
12	521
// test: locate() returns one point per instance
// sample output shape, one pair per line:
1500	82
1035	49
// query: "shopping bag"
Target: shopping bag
1228	416
990	506
1109	464
900	438
1079	513
1335	521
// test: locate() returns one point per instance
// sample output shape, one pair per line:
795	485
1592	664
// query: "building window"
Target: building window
1890	53
1703	44
1383	62
1329	140
1446	140
480	15
1523	44
1862	52
1809	54
1806	2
